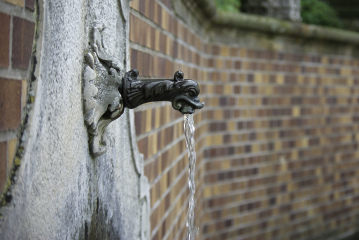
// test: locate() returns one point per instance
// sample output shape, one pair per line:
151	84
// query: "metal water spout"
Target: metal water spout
108	89
182	93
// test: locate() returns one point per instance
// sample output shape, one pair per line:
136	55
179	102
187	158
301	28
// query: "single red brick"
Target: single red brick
159	14
133	58
10	104
4	39
3	160
142	6
142	146
145	62
138	123
30	4
23	34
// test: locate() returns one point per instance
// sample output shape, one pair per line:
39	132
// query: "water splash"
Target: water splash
189	129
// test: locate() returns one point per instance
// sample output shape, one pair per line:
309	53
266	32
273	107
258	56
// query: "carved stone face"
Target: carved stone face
186	99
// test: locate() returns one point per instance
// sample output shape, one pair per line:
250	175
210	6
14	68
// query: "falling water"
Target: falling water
189	136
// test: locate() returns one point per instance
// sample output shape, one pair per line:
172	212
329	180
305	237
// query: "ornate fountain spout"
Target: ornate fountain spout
182	93
107	90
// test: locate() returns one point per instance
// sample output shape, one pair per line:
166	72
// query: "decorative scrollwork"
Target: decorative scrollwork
102	101
182	93
106	91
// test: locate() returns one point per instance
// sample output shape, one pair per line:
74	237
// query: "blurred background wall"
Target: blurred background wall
277	140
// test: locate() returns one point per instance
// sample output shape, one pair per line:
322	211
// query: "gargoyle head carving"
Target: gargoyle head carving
182	93
186	98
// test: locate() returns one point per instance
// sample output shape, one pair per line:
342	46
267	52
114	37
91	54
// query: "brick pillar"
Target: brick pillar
284	9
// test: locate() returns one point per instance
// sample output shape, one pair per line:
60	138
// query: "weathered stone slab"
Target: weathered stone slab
61	191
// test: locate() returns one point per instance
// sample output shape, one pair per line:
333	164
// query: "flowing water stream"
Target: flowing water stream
189	129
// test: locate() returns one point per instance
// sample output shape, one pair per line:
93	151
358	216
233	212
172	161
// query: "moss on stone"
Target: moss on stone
275	26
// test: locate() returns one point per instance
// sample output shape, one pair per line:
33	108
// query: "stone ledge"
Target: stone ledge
275	26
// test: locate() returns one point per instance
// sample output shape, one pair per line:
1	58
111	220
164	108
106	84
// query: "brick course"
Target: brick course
30	4
10	104
4	39
23	34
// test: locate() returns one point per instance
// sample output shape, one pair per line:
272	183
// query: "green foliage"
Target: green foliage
315	12
228	5
319	13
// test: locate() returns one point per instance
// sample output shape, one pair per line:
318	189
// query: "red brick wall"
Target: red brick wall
159	128
282	147
276	141
16	39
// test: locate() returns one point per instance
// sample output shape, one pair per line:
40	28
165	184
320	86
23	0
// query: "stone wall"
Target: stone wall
276	141
55	188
